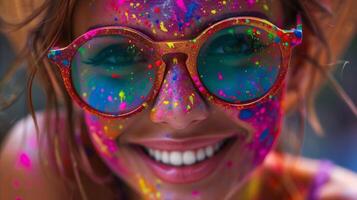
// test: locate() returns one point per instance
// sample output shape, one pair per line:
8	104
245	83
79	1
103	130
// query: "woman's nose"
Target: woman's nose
178	104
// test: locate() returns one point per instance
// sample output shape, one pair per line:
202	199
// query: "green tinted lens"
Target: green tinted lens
239	64
113	74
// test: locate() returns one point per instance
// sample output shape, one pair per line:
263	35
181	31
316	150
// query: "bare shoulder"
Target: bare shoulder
21	174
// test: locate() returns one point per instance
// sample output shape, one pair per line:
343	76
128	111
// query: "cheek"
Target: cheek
108	128
104	133
264	121
98	132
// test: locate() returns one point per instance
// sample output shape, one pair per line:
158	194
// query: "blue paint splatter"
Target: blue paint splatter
65	62
191	9
264	135
180	25
245	114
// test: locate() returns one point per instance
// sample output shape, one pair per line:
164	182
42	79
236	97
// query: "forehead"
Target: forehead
169	19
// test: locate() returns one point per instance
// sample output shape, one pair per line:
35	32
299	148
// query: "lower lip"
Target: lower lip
186	174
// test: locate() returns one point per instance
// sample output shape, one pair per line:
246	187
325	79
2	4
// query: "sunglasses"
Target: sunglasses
117	71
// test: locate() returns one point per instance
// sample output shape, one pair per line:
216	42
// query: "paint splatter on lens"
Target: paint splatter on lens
113	74
239	64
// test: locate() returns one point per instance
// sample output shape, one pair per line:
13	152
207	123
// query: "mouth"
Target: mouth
184	161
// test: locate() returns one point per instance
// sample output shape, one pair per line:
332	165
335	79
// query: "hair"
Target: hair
51	22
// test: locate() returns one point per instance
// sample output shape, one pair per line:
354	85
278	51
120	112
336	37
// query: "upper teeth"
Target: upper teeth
188	157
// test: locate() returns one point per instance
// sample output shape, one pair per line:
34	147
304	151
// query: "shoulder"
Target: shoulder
21	172
287	175
26	175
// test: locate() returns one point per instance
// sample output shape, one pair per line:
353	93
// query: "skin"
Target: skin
256	128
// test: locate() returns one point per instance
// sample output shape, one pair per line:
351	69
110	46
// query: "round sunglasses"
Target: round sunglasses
117	71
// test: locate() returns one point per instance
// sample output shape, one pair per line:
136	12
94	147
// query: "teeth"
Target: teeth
209	151
165	157
152	152
200	155
188	157
175	158
157	155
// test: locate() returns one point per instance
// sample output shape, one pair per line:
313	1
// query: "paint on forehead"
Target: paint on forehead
177	18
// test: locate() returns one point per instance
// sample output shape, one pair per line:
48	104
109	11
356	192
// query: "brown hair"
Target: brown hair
51	22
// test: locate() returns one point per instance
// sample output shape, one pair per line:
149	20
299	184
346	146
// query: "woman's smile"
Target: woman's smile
185	160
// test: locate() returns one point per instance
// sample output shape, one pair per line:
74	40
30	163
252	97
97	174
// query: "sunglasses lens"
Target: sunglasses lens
113	74
239	64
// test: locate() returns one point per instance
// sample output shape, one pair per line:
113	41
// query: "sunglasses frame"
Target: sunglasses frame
286	39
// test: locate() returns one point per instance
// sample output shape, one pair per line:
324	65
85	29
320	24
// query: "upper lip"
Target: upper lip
170	144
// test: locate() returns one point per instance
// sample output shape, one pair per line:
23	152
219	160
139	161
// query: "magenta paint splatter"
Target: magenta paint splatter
181	5
122	106
220	76
24	160
195	193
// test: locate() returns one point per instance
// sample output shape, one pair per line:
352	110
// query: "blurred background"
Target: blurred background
338	144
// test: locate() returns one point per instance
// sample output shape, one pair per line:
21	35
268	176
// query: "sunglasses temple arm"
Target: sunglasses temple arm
296	33
298	30
55	56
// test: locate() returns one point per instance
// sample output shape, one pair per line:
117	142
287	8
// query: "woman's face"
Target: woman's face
208	149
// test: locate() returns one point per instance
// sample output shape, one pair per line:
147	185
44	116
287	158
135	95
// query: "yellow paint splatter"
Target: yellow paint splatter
214	11
188	107
122	95
174	61
162	27
175	104
127	15
149	191
166	102
191	98
171	45
266	7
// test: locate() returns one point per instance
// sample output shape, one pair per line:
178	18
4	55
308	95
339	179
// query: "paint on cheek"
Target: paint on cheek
263	136
245	114
148	190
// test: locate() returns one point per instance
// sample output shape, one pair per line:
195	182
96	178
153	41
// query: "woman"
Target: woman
168	100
